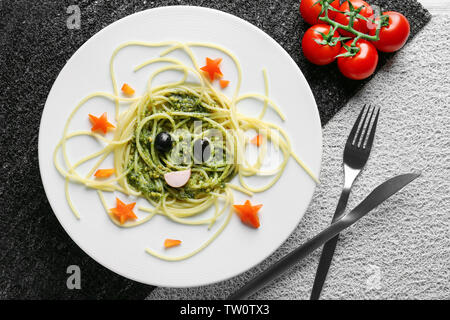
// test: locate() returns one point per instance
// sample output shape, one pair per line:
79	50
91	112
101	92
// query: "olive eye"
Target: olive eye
163	142
202	150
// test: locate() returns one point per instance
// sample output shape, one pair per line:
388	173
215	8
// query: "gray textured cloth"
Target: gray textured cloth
402	249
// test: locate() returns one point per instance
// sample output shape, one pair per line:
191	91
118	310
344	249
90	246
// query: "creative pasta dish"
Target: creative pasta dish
178	146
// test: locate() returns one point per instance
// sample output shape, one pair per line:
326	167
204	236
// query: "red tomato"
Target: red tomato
363	64
358	24
320	54
310	11
394	36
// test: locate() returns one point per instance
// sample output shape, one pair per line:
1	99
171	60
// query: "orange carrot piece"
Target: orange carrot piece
249	213
169	243
224	83
129	91
257	140
104	173
101	123
123	211
212	68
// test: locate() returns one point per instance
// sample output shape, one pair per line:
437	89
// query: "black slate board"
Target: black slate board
34	45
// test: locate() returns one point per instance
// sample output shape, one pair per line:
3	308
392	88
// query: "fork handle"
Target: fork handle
342	204
329	248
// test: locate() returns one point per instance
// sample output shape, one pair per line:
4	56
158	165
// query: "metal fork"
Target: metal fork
356	154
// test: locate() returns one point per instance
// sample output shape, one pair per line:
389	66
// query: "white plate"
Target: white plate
239	248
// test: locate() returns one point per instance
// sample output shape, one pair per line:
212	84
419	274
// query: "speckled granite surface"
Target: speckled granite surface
34	45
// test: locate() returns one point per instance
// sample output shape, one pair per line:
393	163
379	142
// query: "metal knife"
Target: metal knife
374	199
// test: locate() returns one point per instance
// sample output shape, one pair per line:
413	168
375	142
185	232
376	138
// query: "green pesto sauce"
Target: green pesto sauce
147	173
186	103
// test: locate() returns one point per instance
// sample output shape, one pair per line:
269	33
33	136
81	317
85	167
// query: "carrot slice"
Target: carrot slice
257	140
101	123
212	68
104	173
129	91
169	243
123	211
224	83
249	213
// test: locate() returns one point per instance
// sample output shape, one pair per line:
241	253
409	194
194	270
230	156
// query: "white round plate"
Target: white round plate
239	247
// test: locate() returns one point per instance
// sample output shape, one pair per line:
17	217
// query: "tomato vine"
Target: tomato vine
351	32
353	14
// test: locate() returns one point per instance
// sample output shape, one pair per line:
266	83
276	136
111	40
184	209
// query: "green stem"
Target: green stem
330	35
326	6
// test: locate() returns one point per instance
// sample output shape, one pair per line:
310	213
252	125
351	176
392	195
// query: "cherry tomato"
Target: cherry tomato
320	54
310	11
363	64
394	36
358	24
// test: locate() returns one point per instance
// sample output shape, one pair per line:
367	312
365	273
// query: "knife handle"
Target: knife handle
380	194
290	259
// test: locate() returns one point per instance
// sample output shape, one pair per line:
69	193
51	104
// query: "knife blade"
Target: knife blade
374	199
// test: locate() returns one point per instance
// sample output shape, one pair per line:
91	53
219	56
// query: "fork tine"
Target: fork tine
372	132
352	134
358	137
367	128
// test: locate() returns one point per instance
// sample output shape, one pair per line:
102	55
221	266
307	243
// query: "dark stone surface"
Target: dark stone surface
34	45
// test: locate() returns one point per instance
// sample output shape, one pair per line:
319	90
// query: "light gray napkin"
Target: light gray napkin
402	249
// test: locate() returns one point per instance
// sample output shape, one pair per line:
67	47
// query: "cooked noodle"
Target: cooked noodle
175	108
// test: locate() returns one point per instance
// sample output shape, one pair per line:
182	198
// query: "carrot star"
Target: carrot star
123	211
101	123
249	213
257	140
212	68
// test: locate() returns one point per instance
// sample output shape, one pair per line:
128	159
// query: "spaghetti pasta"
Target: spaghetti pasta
188	112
